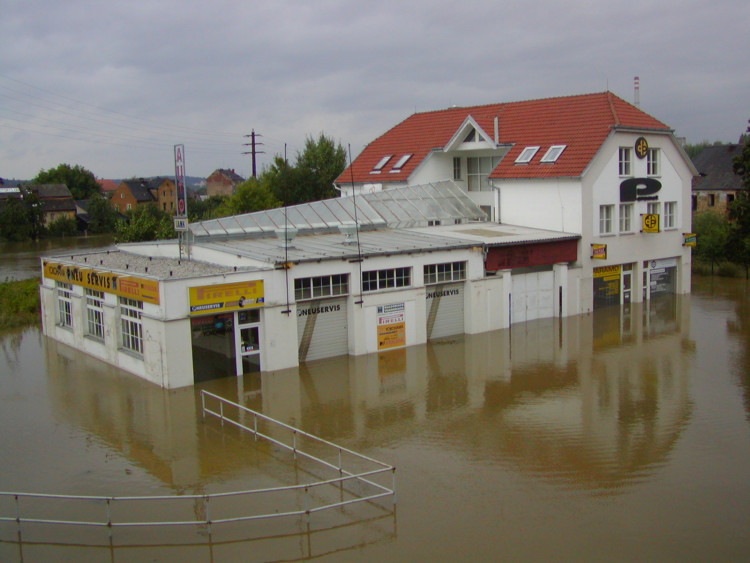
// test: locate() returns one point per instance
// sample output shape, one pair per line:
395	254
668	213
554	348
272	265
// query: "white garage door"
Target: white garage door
321	329
445	310
532	297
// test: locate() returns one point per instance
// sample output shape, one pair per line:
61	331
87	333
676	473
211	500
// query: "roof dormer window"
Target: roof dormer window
472	137
526	155
400	164
553	153
382	162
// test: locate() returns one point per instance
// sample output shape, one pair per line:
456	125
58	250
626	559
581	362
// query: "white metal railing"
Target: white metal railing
344	463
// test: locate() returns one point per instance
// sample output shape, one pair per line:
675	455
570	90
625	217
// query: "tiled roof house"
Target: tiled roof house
716	185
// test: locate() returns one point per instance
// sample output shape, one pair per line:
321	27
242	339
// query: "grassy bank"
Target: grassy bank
19	303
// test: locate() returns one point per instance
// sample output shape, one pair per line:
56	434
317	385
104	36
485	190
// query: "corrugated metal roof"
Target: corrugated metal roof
412	206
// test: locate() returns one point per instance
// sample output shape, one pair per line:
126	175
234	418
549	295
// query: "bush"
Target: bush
63	227
19	303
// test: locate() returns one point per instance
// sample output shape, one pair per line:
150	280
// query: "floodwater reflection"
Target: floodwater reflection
527	442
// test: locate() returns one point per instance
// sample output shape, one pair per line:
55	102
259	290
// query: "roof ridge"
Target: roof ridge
612	108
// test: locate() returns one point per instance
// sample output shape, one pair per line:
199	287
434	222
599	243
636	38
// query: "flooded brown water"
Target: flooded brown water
618	436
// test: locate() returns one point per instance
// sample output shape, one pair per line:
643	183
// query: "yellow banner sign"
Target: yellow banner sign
689	239
226	297
599	251
650	223
608	272
140	289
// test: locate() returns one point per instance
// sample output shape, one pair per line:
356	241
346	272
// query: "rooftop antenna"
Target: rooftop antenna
637	92
356	226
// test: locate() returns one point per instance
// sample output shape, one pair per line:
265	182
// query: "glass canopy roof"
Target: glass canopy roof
412	206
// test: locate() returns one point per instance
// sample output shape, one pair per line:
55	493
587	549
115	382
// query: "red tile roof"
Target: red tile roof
581	122
107	185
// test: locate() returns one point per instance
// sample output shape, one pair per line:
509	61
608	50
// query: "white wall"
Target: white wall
554	204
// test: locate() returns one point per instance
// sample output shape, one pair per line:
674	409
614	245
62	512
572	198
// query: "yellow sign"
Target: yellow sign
608	272
133	287
641	147
226	297
689	239
391	326
599	251
650	223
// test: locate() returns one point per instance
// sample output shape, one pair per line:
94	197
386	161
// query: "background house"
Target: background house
132	193
222	182
56	201
716	185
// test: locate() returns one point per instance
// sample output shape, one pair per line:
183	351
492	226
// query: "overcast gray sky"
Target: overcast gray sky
113	85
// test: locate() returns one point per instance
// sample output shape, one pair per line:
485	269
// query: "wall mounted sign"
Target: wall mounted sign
140	289
391	326
689	239
641	147
226	297
649	223
639	189
599	251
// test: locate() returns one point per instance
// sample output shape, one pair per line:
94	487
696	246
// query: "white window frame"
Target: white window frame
94	313
400	163
381	163
625	161
670	214
652	162
478	170
526	155
553	153
321	286
392	278
653	208
606	215
626	217
456	167
131	325
64	304
444	273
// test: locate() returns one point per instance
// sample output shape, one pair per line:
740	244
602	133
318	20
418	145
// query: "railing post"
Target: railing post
393	487
294	445
255	425
208	514
307	505
203	405
340	466
109	519
221	411
18	516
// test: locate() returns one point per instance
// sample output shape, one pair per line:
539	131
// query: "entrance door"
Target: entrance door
247	341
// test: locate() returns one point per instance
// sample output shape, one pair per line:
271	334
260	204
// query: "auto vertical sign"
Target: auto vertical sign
179	180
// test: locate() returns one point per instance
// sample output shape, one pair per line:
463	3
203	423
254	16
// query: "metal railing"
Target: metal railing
308	498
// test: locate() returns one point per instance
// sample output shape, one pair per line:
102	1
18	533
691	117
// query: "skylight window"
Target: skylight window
400	164
382	162
526	155
553	153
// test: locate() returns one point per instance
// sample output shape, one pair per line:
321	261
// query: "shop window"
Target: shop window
131	328
64	304
386	279
442	273
95	313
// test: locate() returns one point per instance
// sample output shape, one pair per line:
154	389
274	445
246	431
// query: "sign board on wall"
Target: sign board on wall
649	223
140	289
599	251
226	297
391	326
689	239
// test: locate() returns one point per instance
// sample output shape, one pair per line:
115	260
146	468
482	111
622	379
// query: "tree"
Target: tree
21	218
145	222
312	175
81	183
249	196
712	232
102	216
201	209
742	162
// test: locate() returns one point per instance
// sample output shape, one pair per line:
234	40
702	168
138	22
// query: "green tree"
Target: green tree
742	162
251	195
200	209
712	232
81	183
63	227
145	222
21	218
102	216
312	175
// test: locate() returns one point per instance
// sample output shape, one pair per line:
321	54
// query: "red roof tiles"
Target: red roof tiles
582	123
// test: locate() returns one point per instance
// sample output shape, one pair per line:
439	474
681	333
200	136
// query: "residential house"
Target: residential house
108	187
716	185
131	193
223	182
56	201
589	164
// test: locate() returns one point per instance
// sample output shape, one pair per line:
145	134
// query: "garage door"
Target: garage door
322	331
445	310
532	297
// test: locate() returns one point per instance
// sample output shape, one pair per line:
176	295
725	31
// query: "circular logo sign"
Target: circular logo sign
641	147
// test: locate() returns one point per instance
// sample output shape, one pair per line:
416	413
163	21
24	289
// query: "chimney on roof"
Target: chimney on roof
637	92
497	131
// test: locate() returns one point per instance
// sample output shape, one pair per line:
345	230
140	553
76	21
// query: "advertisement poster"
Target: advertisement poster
226	297
391	326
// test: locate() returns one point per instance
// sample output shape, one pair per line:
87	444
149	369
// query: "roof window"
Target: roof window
382	162
400	164
553	153
526	155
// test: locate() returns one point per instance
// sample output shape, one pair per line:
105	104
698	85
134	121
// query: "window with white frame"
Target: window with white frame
375	280
321	286
625	161
626	217
605	219
131	328
456	167
553	153
653	208
652	162
64	303
478	169
442	273
670	214
526	155
400	163
95	313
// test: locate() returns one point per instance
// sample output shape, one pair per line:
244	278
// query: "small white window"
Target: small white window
605	219
526	155
553	153
382	162
400	164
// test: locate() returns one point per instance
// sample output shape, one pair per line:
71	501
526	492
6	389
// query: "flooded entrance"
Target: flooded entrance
622	435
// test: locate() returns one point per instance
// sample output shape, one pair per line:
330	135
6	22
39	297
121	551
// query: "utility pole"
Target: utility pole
253	144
